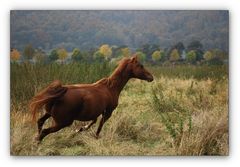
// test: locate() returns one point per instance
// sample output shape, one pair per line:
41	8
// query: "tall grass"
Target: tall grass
27	79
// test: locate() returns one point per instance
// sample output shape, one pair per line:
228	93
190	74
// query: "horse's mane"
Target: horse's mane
104	81
121	66
118	71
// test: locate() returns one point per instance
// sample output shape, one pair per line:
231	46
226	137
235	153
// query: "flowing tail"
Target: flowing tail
54	91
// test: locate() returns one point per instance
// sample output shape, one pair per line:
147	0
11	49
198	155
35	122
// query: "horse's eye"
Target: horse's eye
141	66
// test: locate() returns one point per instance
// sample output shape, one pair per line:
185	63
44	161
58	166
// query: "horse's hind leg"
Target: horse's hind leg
86	127
41	121
47	115
47	131
57	126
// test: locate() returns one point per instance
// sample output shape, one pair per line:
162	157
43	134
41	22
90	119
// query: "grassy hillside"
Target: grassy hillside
87	29
183	112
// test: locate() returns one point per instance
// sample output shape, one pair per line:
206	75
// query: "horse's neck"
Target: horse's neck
117	83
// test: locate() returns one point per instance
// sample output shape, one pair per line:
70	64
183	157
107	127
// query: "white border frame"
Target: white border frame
234	83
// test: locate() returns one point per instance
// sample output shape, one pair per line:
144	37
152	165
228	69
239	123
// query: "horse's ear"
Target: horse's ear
134	59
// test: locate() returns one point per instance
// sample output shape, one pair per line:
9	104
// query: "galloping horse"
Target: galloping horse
85	102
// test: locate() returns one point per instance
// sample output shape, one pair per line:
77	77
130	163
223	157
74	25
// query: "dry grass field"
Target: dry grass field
182	112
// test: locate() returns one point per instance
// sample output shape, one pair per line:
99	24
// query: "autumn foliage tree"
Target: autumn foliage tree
208	56
157	55
106	51
214	56
14	55
126	52
62	54
174	55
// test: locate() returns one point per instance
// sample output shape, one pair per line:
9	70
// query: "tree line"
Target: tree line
177	54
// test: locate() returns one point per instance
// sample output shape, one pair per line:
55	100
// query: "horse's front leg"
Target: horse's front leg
105	117
86	127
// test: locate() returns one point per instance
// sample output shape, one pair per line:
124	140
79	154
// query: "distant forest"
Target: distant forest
90	29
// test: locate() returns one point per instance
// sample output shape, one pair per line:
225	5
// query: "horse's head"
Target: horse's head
137	70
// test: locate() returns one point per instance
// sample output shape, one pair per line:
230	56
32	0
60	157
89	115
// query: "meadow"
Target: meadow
184	111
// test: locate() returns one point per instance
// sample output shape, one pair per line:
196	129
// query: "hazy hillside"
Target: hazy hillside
88	29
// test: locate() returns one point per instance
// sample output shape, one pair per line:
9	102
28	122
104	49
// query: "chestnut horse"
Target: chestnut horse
85	102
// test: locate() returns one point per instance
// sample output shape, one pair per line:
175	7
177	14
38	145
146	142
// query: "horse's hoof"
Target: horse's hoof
96	136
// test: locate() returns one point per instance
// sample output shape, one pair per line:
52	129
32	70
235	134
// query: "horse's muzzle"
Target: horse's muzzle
150	78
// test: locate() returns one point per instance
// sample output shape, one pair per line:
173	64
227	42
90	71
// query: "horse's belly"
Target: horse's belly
91	110
93	103
84	117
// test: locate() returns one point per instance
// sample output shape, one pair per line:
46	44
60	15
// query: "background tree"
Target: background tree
141	56
217	53
162	52
106	51
98	56
77	55
174	55
14	55
117	50
62	54
208	55
191	56
156	56
197	47
145	49
53	55
216	58
28	52
179	46
125	52
148	50
224	55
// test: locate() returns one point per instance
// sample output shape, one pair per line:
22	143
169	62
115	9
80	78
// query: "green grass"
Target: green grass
184	111
191	71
